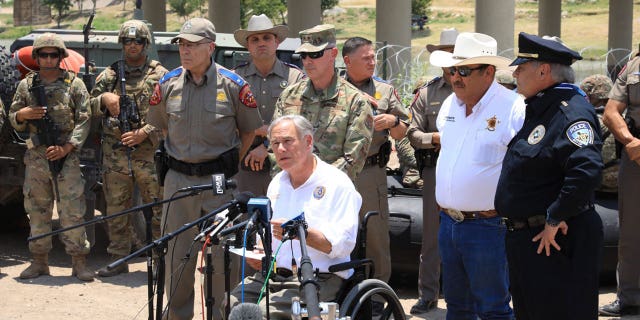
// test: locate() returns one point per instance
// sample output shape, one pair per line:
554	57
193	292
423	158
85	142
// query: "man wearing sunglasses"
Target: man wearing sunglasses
268	76
67	109
476	123
341	116
209	116
122	172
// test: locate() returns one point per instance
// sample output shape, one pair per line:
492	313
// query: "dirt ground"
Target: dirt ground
123	297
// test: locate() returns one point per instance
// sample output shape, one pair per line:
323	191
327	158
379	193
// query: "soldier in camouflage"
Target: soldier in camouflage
68	108
597	88
2	114
119	174
268	76
342	117
390	119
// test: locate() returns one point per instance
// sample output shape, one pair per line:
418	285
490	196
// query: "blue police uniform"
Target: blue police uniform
549	174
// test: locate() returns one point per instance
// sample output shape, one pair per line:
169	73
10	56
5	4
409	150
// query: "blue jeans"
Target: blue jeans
475	280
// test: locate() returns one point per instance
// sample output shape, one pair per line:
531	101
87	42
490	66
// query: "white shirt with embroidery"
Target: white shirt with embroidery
330	204
473	147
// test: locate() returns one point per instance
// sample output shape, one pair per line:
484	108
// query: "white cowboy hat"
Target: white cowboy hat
260	24
447	40
470	48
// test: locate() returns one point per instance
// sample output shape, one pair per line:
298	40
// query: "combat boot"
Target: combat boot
80	269
122	268
39	266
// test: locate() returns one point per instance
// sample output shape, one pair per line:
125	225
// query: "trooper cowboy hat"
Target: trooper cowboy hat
260	24
470	48
447	40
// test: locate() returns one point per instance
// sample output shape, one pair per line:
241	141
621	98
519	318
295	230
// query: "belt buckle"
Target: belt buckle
456	215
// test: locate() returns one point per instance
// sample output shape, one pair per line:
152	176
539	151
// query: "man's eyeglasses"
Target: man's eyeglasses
464	71
312	55
138	41
52	55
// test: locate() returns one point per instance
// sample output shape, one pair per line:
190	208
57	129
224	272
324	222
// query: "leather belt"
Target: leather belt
458	215
372	160
530	222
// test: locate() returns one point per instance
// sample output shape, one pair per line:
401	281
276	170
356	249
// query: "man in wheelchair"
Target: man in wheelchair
330	204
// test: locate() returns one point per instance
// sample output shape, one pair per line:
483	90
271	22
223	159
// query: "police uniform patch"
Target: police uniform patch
156	97
221	97
319	192
247	98
537	134
580	133
283	84
492	123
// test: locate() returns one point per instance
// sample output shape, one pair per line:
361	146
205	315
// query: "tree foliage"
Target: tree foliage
420	7
274	9
184	8
61	6
328	4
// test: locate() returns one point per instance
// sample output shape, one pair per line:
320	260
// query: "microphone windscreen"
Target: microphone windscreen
243	199
246	311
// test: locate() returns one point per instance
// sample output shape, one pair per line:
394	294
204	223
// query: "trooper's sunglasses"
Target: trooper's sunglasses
128	41
464	71
312	55
52	55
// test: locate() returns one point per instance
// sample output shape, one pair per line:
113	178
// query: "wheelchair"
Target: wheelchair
355	299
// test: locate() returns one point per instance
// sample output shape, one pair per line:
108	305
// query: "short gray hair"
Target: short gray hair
303	126
562	73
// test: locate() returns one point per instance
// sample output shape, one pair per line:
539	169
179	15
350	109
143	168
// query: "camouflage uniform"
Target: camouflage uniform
371	182
597	88
266	90
68	107
2	115
425	107
341	117
118	183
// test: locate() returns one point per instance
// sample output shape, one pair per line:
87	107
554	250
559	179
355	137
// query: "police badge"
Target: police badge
580	133
318	193
537	134
492	123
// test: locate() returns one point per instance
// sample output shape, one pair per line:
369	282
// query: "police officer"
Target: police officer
390	119
209	115
268	76
545	191
625	97
423	135
68	112
341	116
128	156
597	88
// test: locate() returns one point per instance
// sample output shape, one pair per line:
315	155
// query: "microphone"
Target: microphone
246	311
260	208
289	227
240	200
218	185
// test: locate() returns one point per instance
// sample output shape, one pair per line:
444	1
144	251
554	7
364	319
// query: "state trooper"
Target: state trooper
64	121
545	190
268	76
340	114
128	156
390	119
204	136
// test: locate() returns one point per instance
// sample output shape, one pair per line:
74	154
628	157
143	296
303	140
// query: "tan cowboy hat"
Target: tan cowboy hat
447	40
260	24
470	48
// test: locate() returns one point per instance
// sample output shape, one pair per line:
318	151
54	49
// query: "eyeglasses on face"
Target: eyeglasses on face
464	71
138	41
312	55
52	55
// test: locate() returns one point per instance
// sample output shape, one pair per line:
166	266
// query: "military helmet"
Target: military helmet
597	86
134	29
49	40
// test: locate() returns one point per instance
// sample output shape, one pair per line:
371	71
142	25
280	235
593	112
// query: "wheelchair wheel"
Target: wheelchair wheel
357	303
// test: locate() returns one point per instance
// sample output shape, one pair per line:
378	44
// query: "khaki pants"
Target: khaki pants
429	272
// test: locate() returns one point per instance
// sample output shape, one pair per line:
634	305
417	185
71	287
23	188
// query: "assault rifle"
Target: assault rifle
48	134
87	77
128	116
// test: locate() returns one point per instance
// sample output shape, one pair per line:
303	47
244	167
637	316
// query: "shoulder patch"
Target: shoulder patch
232	76
246	97
171	74
580	133
156	97
376	78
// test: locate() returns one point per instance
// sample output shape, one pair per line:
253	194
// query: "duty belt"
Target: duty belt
207	168
372	160
530	222
459	216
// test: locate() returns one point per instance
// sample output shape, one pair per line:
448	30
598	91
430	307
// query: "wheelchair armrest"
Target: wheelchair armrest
349	265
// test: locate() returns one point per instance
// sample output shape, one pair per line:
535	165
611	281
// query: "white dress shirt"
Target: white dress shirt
472	147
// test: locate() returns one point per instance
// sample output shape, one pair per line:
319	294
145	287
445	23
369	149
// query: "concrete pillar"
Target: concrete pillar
393	26
549	14
225	15
496	18
156	14
303	14
620	29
